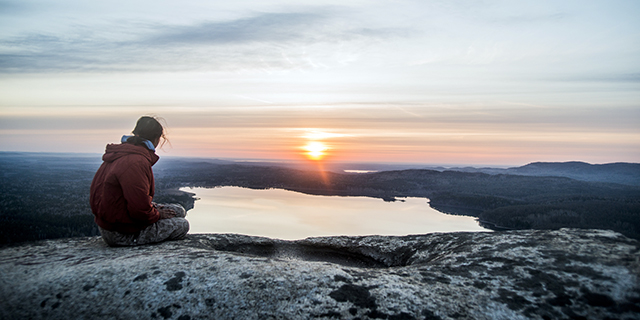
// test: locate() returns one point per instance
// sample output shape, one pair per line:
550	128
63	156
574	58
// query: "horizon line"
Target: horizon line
292	161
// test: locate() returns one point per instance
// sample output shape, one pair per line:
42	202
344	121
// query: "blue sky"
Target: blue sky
465	82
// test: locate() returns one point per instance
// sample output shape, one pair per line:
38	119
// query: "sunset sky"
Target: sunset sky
432	82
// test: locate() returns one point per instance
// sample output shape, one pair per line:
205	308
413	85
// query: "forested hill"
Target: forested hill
388	184
501	201
436	185
620	172
47	195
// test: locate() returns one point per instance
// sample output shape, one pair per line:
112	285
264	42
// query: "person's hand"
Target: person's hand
166	213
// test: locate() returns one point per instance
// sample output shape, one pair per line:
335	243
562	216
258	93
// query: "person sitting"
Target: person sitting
122	190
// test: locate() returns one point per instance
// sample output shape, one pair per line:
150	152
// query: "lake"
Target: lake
289	215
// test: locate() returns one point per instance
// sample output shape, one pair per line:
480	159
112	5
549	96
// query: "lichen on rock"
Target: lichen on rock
565	273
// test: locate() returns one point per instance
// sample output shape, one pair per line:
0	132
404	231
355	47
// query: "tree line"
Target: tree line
46	197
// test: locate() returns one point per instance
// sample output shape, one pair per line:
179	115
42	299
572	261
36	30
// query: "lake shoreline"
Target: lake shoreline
292	215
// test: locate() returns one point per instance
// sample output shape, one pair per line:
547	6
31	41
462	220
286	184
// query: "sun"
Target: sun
316	150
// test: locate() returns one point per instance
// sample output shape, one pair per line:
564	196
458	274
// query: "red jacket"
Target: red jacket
122	189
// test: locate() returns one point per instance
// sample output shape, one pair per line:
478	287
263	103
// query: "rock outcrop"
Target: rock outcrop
562	274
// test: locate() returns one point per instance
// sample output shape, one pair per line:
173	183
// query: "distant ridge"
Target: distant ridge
618	172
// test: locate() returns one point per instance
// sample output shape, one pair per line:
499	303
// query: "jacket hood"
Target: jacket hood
117	151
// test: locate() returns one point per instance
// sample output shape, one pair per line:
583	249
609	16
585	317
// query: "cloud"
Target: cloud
263	27
621	77
530	18
594	77
244	43
11	7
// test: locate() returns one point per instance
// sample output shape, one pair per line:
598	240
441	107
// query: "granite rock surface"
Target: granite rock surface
561	274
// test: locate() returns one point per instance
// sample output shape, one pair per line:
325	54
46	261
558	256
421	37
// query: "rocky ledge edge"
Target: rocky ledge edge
525	274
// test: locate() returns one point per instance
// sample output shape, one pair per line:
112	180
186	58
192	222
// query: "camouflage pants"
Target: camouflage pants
165	229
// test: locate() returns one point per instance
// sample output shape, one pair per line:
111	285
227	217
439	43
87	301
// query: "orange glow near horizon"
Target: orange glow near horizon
315	150
328	145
